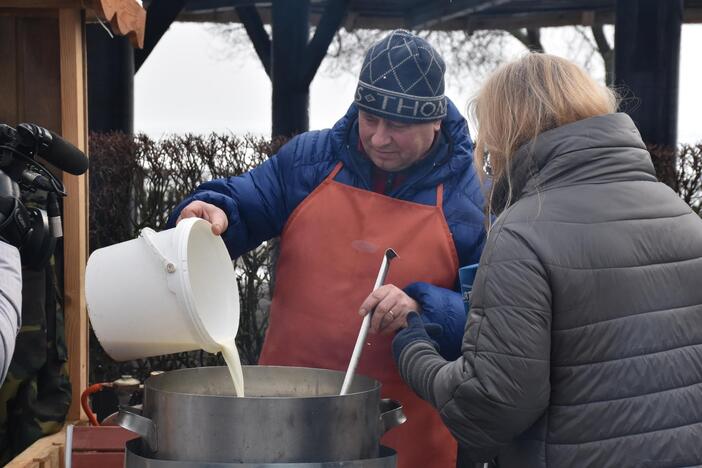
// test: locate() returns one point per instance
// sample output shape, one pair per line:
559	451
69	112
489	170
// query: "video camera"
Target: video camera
33	230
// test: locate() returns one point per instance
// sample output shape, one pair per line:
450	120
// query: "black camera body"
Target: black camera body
33	230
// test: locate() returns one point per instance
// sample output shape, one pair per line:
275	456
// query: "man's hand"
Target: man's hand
390	306
215	215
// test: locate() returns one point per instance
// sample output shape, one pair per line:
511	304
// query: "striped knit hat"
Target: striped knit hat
402	79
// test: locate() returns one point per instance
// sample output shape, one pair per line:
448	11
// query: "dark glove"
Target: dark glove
416	330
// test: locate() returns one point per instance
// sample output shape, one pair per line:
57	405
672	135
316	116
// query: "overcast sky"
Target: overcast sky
188	84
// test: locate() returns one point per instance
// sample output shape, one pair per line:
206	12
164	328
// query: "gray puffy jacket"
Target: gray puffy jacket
583	347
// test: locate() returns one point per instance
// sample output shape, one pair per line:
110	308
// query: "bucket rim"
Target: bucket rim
184	229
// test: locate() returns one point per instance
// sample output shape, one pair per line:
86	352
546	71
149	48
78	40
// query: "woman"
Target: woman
583	344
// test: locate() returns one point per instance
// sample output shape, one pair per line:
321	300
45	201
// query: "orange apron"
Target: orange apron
330	253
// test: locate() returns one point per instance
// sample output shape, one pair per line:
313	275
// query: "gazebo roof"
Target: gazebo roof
297	56
440	14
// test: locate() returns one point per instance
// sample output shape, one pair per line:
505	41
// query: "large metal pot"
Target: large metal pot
289	414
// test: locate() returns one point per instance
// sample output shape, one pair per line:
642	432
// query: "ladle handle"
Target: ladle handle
356	355
365	325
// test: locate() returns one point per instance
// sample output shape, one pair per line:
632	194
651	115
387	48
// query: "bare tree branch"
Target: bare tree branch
530	38
606	51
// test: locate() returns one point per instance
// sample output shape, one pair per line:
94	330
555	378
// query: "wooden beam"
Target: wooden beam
479	21
159	17
259	37
430	14
326	29
531	20
75	207
45	4
217	4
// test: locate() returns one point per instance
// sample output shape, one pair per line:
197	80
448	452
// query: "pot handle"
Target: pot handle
129	419
391	415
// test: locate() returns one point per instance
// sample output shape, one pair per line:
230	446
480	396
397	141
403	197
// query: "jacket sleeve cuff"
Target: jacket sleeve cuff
418	365
446	308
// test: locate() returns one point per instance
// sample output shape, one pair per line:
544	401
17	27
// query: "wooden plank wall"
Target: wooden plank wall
42	80
29	68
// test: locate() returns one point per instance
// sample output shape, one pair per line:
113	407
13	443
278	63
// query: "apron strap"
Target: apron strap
439	188
335	171
440	195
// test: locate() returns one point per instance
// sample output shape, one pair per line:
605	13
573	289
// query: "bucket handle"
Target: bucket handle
147	234
391	415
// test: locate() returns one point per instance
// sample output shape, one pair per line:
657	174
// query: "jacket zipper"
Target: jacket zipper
389	183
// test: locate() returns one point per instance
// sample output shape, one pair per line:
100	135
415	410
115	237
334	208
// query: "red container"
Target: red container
99	446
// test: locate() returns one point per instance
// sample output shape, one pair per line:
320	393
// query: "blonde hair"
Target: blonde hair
526	97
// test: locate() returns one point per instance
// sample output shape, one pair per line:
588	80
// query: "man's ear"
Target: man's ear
437	125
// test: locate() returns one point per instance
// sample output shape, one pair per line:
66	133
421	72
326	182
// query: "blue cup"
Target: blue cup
466	276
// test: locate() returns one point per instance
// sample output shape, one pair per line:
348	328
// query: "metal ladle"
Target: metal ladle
365	325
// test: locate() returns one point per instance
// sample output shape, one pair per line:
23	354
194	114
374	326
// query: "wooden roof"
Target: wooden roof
440	14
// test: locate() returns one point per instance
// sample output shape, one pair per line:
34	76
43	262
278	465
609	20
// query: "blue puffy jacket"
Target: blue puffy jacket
259	202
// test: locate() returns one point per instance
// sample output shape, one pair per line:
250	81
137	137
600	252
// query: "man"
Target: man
396	171
10	277
36	393
10	303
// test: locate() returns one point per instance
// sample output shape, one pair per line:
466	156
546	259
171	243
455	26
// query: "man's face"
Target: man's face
394	146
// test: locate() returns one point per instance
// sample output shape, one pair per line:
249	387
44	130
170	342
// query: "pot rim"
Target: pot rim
151	384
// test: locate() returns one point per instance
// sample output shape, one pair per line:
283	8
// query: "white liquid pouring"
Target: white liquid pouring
231	357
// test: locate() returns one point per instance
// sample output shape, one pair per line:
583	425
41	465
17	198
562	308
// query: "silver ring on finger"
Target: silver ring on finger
391	314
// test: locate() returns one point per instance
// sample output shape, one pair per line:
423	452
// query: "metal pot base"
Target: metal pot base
289	415
133	459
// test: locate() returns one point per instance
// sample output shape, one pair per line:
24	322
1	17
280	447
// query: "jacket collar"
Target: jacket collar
450	161
599	149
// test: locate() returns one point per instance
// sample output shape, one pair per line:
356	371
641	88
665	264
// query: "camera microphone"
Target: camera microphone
66	157
33	230
53	148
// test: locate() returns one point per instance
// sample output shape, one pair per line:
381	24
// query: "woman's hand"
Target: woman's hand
390	306
214	214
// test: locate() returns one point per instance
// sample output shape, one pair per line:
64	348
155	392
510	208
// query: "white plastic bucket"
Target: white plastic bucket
163	292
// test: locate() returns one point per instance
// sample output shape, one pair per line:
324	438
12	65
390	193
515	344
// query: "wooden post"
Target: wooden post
291	97
110	81
647	57
294	61
73	129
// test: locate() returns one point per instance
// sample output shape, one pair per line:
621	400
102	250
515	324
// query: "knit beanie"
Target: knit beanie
402	79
